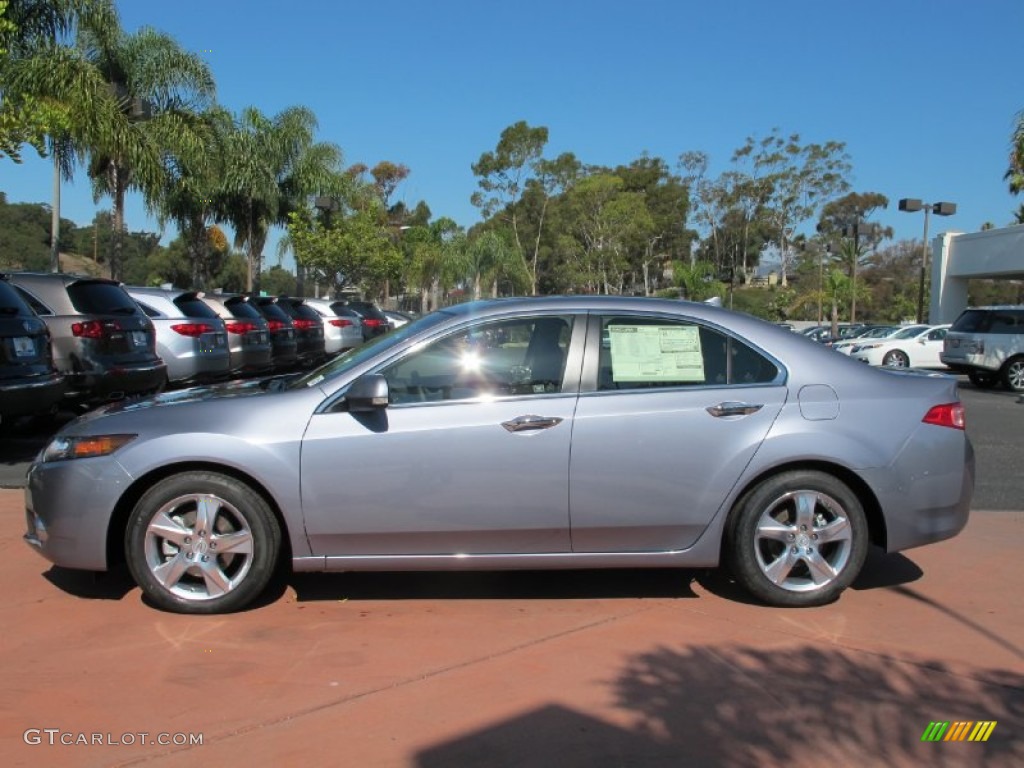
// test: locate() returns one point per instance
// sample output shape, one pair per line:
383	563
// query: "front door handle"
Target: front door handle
523	423
733	409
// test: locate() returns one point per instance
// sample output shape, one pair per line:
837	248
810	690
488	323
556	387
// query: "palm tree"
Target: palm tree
273	166
490	259
191	182
51	93
160	90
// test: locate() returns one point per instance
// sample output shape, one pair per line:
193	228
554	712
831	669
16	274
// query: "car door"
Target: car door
471	456
925	353
675	413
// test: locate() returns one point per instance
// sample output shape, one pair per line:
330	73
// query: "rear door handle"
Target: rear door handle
733	409
524	423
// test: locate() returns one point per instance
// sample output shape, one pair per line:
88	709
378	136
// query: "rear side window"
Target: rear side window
243	309
10	302
38	307
305	311
367	309
1003	321
150	312
192	306
101	299
274	312
645	353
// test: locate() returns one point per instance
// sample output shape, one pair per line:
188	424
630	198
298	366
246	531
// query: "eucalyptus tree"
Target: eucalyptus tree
160	89
800	178
503	176
606	220
272	166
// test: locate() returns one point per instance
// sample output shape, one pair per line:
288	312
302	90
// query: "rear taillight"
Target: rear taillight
92	329
276	325
340	322
370	322
948	415
192	329
240	328
302	324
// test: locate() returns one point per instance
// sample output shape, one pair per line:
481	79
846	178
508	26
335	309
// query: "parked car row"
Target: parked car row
984	343
85	340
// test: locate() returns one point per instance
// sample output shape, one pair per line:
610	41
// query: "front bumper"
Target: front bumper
68	509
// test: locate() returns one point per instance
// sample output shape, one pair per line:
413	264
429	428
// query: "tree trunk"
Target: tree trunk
55	214
117	251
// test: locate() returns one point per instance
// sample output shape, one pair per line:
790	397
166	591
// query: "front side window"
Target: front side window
644	353
524	356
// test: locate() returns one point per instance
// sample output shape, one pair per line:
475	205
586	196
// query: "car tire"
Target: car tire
203	543
896	359
798	539
1013	374
983	380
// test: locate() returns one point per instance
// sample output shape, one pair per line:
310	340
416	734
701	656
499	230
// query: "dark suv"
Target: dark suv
375	322
103	342
283	342
29	382
309	330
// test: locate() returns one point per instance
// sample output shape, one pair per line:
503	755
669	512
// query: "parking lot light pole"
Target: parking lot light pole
912	205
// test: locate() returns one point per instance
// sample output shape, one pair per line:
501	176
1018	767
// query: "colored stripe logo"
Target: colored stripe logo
960	730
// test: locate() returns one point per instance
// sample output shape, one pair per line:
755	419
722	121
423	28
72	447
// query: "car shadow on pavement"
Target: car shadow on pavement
495	585
110	585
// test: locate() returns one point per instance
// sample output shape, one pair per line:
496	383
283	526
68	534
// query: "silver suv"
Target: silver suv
987	343
103	343
190	336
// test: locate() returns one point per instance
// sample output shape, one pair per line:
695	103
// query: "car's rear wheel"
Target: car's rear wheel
202	542
1013	374
798	539
896	359
983	380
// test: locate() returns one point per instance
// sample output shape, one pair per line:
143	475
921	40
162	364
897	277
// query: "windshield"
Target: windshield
361	354
908	333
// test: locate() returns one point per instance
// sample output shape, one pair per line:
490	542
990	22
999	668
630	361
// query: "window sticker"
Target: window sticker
656	353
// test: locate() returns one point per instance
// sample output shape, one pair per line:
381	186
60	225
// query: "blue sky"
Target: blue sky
924	93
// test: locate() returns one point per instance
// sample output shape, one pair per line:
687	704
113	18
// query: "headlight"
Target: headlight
868	346
62	448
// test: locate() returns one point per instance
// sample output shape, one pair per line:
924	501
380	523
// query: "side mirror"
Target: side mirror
367	393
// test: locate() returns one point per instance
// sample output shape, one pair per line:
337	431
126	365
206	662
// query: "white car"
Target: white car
872	332
343	328
911	347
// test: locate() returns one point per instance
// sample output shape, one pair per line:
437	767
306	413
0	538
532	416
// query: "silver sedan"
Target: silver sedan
578	432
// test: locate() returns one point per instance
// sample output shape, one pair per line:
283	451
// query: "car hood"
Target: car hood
227	390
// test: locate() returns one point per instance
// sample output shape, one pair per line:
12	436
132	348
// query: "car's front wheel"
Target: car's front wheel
798	539
1013	374
202	542
896	359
